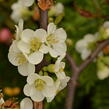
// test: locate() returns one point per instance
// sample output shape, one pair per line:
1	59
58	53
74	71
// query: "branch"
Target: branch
101	46
72	83
43	24
71	62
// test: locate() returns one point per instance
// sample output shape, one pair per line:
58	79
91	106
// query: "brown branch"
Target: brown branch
72	63
43	24
72	83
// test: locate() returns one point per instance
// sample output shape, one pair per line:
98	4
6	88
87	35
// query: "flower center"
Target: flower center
35	45
51	39
39	84
21	58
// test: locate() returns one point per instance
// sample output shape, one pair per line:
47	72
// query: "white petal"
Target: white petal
60	75
35	58
36	95
13	58
52	52
85	54
49	91
13	47
44	49
63	83
60	48
26	69
49	81
32	77
27	2
80	45
51	28
26	103
60	34
89	37
27	89
21	25
102	74
41	34
24	47
27	34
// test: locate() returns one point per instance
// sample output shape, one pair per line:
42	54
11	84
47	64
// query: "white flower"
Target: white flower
26	103
59	85
17	58
19	11
59	69
56	9
38	87
31	45
85	45
55	40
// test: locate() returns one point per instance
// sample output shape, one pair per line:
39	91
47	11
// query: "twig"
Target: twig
71	62
72	83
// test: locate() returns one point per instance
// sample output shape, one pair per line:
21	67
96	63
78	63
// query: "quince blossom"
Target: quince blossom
38	87
55	40
31	45
56	10
17	58
86	45
20	11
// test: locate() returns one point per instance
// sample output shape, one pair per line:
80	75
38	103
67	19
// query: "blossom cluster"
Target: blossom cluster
21	10
86	45
28	50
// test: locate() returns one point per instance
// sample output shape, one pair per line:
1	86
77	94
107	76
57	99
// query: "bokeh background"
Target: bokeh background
80	17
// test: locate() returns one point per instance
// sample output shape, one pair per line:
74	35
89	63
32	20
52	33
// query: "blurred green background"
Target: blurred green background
78	21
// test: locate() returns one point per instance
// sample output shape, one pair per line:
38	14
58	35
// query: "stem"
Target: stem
76	72
38	105
43	24
44	19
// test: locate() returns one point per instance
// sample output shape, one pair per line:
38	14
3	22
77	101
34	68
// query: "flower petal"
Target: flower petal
26	69
60	75
49	91
35	58
24	47
60	34
44	49
49	81
27	89
60	48
31	78
27	34
41	34
26	103
36	95
52	52
51	28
